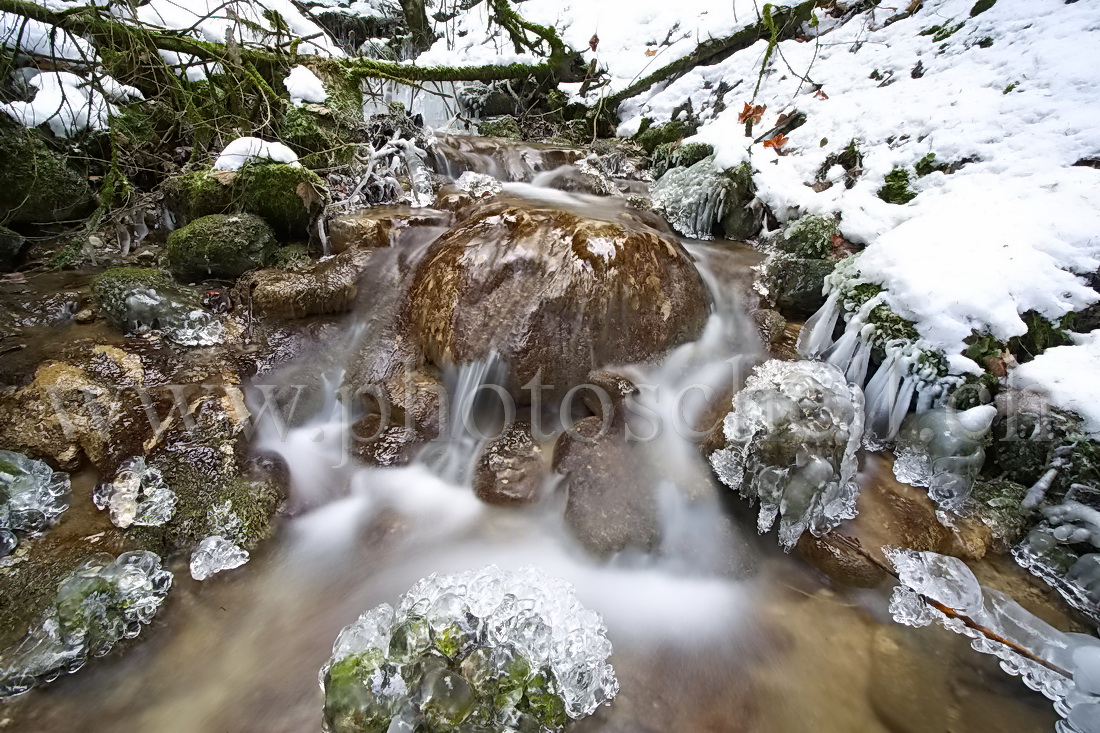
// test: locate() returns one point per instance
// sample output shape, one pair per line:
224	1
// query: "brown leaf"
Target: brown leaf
223	177
651	52
752	112
593	42
776	142
820	94
309	195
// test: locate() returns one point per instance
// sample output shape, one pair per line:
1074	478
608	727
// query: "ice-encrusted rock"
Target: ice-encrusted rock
942	449
138	495
928	576
214	555
105	599
175	313
32	497
479	185
478	651
695	199
791	443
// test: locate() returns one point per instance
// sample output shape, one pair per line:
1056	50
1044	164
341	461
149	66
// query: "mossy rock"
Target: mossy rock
112	287
671	155
997	504
810	237
220	246
318	139
506	127
650	136
1041	335
795	284
285	196
11	244
741	222
895	189
37	183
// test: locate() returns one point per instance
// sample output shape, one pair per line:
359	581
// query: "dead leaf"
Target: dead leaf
752	112
309	195
224	177
776	142
593	42
820	94
651	52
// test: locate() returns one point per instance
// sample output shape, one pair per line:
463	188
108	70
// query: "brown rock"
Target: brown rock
511	468
554	294
327	287
383	445
379	226
615	387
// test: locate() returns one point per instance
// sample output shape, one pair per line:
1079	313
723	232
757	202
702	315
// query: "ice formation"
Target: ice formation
479	185
215	554
948	581
942	450
247	149
304	86
792	439
220	551
910	367
32	497
138	495
482	651
176	313
695	199
105	599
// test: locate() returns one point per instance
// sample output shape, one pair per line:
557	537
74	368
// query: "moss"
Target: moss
220	246
740	221
111	288
652	136
890	326
267	190
505	126
795	284
810	237
896	189
1010	87
981	6
292	256
37	183
985	42
670	155
317	139
1041	335
997	504
942	32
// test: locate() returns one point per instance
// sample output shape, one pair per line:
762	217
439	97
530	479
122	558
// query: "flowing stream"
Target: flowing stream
717	630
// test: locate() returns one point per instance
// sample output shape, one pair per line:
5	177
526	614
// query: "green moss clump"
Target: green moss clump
942	32
316	138
111	288
997	504
267	190
650	136
670	155
981	6
292	256
810	237
896	188
1041	335
890	326
220	246
37	183
741	222
505	126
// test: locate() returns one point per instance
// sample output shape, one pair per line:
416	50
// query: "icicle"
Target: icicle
323	236
882	395
857	369
901	407
817	333
840	354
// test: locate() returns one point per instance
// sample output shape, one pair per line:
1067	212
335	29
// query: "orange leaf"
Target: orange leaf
820	94
651	52
751	112
776	142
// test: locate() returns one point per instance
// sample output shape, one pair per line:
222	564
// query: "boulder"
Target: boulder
220	246
795	284
38	184
379	226
326	287
510	469
553	294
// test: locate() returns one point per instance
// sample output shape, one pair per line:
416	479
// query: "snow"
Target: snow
68	103
1067	376
246	149
304	86
33	37
1002	235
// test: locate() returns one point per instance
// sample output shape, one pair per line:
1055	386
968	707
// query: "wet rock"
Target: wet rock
997	504
506	160
138	299
702	201
379	226
379	443
38	184
891	514
220	246
771	324
330	286
610	506
11	243
554	294
795	284
615	387
511	468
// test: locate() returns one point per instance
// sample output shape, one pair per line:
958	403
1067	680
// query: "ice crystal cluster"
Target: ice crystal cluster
947	580
909	366
32	497
695	199
792	439
219	551
1064	549
105	599
173	312
138	495
483	651
942	449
